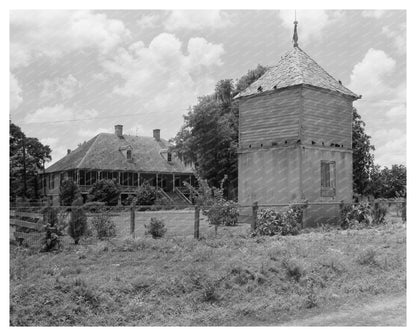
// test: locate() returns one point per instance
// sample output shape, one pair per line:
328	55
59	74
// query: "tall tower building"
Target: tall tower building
295	136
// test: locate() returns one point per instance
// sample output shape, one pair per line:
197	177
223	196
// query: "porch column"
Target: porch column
157	181
138	179
174	181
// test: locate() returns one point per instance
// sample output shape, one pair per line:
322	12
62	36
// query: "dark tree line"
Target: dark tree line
27	157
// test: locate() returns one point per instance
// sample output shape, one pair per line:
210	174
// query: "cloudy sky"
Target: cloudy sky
74	74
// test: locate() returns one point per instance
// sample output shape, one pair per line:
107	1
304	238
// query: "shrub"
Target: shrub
78	222
68	192
106	191
51	240
103	225
271	222
379	212
223	213
146	194
218	210
156	228
352	214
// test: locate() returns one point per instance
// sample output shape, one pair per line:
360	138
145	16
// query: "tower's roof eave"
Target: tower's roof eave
295	68
269	92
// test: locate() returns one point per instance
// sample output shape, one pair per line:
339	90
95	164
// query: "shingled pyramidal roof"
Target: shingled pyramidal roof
105	152
295	68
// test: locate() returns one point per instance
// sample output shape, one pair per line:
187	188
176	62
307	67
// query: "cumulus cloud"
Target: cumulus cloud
53	33
312	22
390	146
197	19
368	76
162	66
165	74
58	112
383	106
15	93
60	88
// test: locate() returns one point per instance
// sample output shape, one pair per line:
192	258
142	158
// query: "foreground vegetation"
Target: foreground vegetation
233	280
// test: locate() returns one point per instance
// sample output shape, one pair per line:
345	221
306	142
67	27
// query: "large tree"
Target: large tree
209	136
27	158
388	182
362	156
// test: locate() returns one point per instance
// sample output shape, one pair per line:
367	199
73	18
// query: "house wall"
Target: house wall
311	183
269	176
326	117
269	118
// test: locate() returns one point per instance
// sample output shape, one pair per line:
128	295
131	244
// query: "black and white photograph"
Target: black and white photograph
207	167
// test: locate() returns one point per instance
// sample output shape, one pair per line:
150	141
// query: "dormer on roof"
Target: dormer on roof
127	152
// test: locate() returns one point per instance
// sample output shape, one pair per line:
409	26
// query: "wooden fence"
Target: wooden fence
28	223
28	226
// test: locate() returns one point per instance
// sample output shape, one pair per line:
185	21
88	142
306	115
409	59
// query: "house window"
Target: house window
169	157
328	178
128	154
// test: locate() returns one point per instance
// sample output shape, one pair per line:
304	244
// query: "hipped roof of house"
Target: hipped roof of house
295	68
105	152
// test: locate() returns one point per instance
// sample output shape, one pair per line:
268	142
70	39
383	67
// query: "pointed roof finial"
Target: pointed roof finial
295	33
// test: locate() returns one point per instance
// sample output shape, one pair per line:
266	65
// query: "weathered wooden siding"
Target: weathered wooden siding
268	176
269	118
311	183
327	117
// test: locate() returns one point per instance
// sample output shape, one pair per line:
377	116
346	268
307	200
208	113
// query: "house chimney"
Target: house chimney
118	130
156	134
68	151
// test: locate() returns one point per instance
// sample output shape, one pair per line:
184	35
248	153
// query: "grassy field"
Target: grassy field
230	280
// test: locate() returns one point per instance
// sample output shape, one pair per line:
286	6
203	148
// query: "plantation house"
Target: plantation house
129	160
295	137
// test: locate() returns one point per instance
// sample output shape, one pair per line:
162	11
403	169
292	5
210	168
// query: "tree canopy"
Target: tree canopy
27	157
209	136
388	182
362	156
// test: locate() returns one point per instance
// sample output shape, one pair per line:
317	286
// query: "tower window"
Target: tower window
328	178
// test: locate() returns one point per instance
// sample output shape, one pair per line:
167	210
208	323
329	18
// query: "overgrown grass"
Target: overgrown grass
231	280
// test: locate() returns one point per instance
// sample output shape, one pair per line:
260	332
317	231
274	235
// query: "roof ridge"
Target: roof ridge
299	63
88	151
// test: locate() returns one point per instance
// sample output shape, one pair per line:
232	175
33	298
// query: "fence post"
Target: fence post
132	221
196	222
255	207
